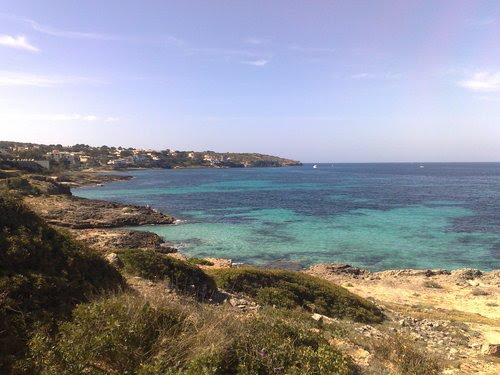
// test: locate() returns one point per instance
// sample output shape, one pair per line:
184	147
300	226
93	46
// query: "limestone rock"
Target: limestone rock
493	350
466	274
317	317
327	269
81	213
113	259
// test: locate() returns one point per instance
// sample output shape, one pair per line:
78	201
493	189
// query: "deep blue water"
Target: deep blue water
379	216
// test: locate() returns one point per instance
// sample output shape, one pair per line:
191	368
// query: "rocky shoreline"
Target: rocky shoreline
93	221
453	313
81	213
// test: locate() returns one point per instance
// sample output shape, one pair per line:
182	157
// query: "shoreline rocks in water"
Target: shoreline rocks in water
80	179
121	239
82	213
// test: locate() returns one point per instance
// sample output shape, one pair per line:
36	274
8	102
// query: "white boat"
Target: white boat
421	166
315	166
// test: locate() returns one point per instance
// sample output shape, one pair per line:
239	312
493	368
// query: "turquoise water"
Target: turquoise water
379	216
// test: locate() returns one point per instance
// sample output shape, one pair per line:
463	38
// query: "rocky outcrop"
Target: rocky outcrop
108	239
81	213
79	179
329	269
493	350
466	274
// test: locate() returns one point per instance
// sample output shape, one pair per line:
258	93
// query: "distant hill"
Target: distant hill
82	156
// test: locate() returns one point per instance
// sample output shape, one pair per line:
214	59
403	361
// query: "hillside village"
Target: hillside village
81	157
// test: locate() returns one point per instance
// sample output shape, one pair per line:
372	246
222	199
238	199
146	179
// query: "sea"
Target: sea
377	216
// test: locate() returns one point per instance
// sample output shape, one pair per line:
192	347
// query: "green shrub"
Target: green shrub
111	336
182	276
43	275
128	334
272	345
21	185
288	289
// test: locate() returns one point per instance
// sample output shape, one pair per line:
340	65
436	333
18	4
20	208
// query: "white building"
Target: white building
58	156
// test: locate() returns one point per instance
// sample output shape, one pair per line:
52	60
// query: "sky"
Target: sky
317	81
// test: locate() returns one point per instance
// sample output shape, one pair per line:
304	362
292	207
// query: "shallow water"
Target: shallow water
379	216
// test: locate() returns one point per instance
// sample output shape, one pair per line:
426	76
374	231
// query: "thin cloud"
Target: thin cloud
68	34
211	53
61	33
57	117
18	42
482	82
84	35
220	53
259	63
228	55
256	41
8	78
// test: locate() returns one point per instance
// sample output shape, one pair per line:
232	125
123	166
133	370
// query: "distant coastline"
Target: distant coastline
39	157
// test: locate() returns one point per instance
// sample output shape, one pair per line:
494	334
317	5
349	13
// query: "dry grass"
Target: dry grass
430	312
409	359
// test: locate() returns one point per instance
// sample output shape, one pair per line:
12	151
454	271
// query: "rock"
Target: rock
166	249
411	273
466	274
106	239
493	350
317	317
81	213
430	273
327	269
113	259
476	346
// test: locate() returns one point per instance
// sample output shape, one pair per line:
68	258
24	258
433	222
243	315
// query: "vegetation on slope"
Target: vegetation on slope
43	275
131	335
290	289
181	275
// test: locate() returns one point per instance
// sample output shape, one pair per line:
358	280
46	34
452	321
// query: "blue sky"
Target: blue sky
340	81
